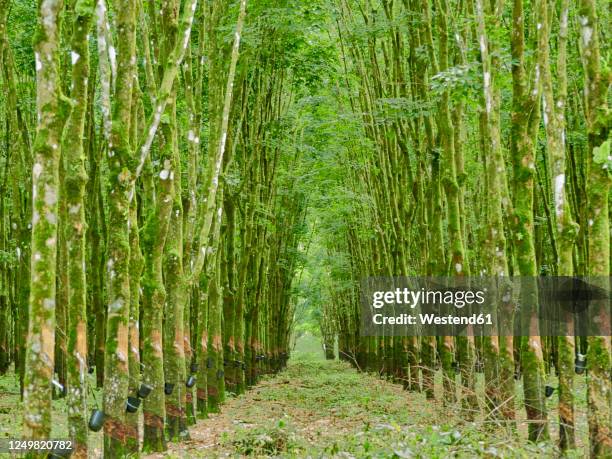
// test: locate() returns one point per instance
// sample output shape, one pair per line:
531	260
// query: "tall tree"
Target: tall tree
74	185
553	109
596	84
45	191
526	90
498	350
119	157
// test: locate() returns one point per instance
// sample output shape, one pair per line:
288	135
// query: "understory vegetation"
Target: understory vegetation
319	408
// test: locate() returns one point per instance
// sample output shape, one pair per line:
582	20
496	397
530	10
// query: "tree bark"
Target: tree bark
45	192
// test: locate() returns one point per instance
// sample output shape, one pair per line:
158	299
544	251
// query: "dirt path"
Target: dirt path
307	408
321	409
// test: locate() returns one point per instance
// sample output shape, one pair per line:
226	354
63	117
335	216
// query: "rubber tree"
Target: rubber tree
39	356
498	350
566	230
176	287
174	277
4	277
119	158
154	296
75	182
525	124
194	77
596	84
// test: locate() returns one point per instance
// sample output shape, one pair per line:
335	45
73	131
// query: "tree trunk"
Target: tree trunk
39	356
74	186
598	128
116	371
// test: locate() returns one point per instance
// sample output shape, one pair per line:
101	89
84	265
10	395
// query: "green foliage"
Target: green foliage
266	440
601	155
9	259
21	29
84	7
463	81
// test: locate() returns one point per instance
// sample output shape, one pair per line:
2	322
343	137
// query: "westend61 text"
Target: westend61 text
432	319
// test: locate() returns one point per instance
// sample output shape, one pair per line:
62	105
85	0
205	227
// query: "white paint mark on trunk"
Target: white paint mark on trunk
559	195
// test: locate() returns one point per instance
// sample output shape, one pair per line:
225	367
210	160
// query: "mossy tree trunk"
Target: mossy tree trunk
134	359
596	84
39	356
119	157
215	376
75	182
176	286
202	356
525	124
498	350
154	298
566	229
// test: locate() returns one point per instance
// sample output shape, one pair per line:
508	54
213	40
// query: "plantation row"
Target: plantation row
485	152
148	228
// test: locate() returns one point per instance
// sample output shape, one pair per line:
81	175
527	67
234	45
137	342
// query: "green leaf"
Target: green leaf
601	153
84	7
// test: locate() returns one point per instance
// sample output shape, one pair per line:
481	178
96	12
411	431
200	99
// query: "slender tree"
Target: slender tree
74	185
525	122
45	191
598	128
116	372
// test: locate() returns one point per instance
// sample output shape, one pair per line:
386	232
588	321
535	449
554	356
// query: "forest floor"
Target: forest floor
318	408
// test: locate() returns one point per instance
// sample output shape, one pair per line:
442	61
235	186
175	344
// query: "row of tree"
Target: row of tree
149	226
485	150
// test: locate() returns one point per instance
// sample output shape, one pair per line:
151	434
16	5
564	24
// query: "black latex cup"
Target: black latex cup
96	420
194	367
191	381
144	390
548	390
168	388
580	364
132	404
